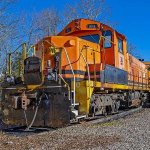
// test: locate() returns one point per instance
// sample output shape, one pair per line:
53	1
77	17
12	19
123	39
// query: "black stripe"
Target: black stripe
93	73
72	79
75	72
80	72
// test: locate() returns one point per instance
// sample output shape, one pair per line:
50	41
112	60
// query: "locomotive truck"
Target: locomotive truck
84	71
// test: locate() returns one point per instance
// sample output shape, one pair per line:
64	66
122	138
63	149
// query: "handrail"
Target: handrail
10	57
65	83
32	46
88	72
17	48
74	82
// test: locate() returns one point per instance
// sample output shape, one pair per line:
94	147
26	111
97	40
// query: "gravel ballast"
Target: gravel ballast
131	132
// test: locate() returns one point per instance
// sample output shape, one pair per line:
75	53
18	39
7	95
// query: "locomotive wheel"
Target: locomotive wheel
116	106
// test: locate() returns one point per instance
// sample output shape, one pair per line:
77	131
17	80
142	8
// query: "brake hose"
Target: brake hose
35	114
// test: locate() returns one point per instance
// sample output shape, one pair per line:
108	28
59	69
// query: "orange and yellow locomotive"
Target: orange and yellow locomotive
84	71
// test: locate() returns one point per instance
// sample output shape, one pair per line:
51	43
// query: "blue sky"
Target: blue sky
132	17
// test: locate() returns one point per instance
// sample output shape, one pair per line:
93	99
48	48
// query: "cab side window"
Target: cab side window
120	45
108	38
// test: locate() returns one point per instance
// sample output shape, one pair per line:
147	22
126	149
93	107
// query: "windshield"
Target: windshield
92	38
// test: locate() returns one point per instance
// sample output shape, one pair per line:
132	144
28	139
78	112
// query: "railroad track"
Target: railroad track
121	114
20	131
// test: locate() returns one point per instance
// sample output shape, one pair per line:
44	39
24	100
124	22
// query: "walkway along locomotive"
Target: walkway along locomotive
83	71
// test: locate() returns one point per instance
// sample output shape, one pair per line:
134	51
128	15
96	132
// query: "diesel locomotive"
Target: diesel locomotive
84	71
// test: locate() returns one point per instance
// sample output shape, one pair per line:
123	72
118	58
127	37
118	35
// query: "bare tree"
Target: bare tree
132	49
25	28
8	30
89	9
49	21
38	25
